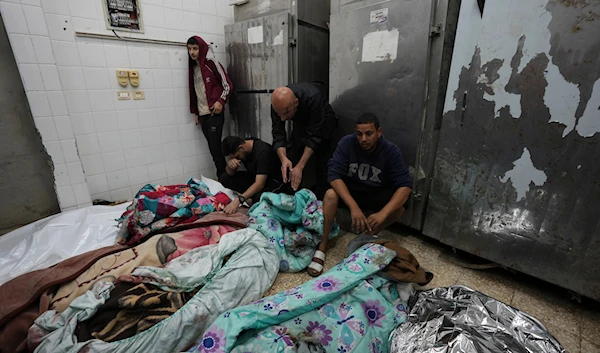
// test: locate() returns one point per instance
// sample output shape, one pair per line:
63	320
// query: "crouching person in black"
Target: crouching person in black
262	172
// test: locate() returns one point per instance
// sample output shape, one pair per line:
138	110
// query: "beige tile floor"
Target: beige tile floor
575	325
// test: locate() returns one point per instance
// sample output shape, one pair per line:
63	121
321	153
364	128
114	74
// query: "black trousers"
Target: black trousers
321	158
212	127
373	200
241	181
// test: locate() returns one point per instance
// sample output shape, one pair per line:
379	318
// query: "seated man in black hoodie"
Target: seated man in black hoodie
367	173
262	169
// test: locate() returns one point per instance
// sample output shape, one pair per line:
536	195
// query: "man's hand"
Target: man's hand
359	221
296	176
217	108
197	120
232	207
286	165
375	221
234	164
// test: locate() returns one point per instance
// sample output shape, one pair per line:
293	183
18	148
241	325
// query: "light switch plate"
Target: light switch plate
139	95
124	95
123	77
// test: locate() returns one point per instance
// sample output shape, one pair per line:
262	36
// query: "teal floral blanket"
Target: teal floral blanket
294	224
347	309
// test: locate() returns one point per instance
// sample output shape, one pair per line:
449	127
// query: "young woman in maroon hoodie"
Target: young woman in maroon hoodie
210	88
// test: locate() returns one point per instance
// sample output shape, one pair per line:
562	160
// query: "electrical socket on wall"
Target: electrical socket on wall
139	95
123	77
134	78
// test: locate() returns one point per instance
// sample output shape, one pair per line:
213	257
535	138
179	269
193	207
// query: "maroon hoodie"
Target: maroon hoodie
218	84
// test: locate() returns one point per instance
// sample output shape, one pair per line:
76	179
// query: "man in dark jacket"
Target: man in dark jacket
367	172
314	125
210	88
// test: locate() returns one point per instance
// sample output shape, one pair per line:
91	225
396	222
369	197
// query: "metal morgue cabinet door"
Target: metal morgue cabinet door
258	58
516	171
378	64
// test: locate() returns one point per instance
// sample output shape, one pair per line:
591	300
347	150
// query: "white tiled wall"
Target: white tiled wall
102	147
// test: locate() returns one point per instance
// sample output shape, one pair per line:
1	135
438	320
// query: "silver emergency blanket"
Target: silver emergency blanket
458	319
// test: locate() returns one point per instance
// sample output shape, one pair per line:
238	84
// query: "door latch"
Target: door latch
436	29
293	42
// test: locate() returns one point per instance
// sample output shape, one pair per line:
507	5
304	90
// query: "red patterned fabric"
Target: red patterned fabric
157	207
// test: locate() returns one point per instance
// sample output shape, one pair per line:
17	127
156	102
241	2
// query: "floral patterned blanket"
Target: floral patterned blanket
294	224
157	207
347	309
